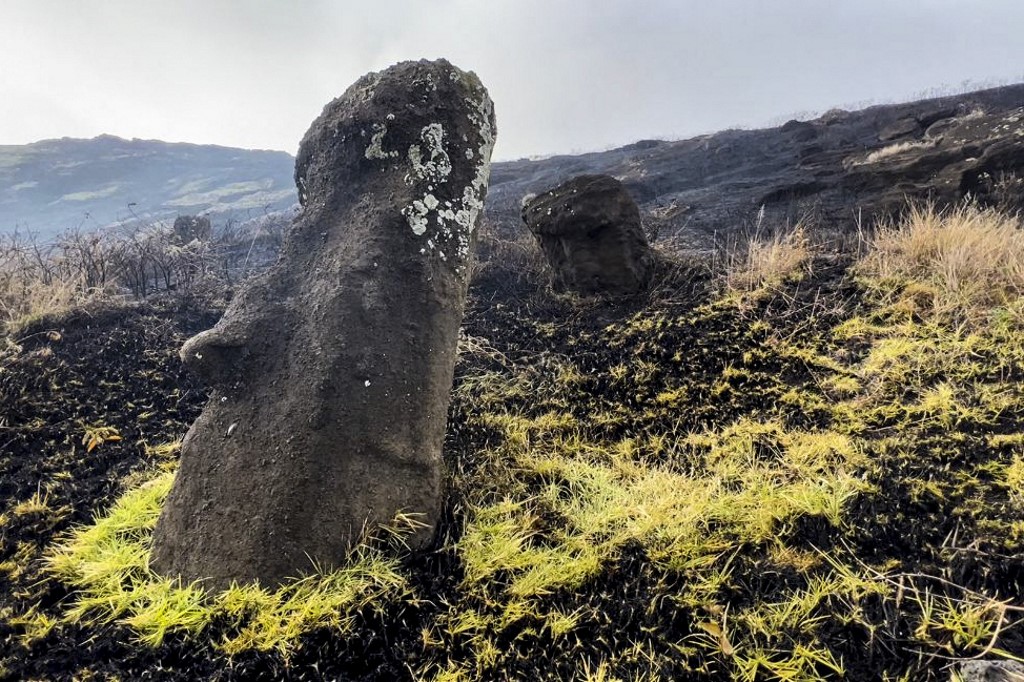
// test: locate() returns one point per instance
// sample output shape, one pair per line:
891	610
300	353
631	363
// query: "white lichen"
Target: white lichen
435	166
426	82
431	165
416	214
472	196
376	149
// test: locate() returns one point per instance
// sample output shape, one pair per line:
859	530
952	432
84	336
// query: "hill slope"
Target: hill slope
53	185
836	168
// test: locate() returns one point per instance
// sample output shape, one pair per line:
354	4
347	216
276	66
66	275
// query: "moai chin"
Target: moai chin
331	372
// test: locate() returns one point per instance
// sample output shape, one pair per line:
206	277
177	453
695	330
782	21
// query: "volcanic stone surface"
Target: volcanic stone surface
991	671
589	229
331	372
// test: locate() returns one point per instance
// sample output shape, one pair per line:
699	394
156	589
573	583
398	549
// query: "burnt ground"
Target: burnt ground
118	367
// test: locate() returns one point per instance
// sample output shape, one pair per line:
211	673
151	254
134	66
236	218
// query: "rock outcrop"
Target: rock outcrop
973	154
332	371
589	229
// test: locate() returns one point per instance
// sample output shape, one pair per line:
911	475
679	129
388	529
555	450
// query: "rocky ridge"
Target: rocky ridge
838	169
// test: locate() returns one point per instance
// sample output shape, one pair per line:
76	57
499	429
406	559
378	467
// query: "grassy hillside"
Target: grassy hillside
788	464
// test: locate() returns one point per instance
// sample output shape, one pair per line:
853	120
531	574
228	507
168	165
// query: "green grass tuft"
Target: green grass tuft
108	564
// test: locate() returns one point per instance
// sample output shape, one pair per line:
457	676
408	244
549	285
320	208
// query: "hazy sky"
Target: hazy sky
565	75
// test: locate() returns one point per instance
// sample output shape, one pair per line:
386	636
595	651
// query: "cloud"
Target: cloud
565	75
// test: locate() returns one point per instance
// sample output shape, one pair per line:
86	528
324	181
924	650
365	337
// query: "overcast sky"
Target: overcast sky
566	76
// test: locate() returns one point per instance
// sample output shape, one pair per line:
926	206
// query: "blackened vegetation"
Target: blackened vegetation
114	367
119	368
703	187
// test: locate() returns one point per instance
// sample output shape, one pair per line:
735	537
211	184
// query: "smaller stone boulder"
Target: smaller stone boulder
590	231
800	131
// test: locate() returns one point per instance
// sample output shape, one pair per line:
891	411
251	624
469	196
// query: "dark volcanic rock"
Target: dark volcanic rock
991	671
706	188
901	128
800	131
332	371
589	229
977	155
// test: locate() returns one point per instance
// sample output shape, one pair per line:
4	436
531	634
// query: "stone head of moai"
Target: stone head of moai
590	231
331	372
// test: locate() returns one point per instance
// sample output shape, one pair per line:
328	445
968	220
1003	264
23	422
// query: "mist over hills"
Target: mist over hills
837	169
52	185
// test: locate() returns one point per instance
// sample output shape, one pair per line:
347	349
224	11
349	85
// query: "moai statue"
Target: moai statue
188	228
331	372
589	230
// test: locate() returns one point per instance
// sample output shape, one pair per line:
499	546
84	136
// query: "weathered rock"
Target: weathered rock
332	371
589	229
990	671
975	156
188	228
800	131
904	127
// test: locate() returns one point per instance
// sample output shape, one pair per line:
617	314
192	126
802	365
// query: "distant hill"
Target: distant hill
49	186
834	170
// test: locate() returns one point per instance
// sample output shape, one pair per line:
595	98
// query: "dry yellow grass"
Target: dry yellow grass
25	297
765	264
893	150
965	261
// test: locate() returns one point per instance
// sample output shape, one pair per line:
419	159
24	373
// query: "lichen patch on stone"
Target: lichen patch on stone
433	163
416	214
472	196
376	149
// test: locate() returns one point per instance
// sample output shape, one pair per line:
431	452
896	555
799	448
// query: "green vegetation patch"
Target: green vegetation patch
108	564
86	195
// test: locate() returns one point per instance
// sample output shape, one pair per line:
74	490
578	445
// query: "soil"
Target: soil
118	367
